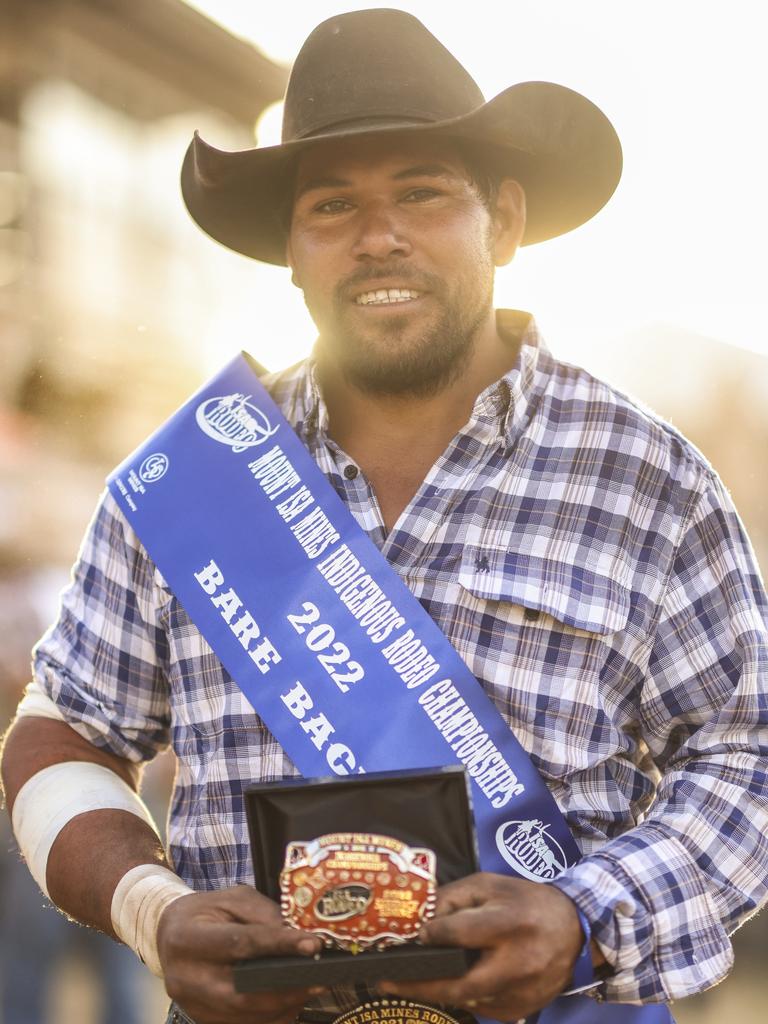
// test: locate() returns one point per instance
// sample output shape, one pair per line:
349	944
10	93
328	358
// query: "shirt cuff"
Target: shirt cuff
651	916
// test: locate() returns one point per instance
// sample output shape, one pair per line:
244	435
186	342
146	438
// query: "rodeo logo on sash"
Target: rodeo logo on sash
233	421
528	847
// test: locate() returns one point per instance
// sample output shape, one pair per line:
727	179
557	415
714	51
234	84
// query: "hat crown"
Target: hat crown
374	68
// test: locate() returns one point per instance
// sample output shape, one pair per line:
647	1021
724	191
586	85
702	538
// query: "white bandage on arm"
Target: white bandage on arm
55	795
52	797
141	896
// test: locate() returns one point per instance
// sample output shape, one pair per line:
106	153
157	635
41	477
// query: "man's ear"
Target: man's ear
289	261
508	221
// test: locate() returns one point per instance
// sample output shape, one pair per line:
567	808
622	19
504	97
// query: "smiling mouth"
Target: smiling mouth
386	296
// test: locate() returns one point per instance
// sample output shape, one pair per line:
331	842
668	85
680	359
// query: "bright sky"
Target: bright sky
684	82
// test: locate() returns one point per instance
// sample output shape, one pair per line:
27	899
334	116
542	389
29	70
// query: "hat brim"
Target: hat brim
560	147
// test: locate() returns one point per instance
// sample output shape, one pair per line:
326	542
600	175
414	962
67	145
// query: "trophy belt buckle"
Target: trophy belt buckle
358	890
396	1011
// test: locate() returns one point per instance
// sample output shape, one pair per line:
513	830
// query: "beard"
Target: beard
392	357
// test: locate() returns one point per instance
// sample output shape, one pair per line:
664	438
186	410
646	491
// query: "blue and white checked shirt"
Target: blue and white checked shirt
587	564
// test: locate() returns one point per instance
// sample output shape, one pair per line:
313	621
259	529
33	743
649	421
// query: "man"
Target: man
581	556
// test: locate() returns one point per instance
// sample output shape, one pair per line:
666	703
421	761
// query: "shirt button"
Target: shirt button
350	471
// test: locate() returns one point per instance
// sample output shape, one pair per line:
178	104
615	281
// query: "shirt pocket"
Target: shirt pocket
571	594
543	636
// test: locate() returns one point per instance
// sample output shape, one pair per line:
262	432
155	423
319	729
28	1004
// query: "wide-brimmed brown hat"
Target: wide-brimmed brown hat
381	71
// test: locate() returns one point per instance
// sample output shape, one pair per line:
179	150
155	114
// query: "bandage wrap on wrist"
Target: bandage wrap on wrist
139	899
52	797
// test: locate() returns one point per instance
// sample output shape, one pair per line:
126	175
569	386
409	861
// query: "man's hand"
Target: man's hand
530	937
201	935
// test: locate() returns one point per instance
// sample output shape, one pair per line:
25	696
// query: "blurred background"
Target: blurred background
114	306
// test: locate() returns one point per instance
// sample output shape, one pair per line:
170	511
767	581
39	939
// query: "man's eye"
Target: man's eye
421	195
332	206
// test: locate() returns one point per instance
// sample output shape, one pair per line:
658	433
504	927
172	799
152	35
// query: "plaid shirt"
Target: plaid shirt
587	564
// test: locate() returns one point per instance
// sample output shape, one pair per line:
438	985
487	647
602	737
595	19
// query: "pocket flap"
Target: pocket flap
569	593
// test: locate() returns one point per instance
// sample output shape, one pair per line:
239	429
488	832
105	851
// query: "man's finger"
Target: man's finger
253	1005
454	992
242	903
224	942
482	888
473	928
209	996
490	976
460	894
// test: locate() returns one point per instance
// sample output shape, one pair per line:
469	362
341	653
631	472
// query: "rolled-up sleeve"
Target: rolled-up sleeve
104	661
663	898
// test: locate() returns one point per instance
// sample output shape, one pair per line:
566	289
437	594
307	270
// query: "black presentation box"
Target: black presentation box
419	807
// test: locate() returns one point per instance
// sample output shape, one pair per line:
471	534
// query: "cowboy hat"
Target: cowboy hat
381	71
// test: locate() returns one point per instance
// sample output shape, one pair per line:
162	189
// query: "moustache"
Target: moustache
365	278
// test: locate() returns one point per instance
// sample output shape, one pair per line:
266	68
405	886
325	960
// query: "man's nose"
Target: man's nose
380	234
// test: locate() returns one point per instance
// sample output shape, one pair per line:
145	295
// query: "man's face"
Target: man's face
392	246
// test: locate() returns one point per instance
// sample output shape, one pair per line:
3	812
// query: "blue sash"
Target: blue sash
329	646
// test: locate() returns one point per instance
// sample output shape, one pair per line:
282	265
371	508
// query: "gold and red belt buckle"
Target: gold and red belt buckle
358	890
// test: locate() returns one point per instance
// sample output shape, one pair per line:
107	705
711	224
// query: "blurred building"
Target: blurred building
105	293
104	286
